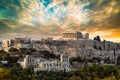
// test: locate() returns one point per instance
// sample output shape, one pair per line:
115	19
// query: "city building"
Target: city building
86	36
42	64
74	35
16	43
6	44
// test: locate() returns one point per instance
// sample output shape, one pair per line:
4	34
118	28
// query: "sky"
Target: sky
41	18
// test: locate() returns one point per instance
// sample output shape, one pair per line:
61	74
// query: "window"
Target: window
57	64
68	65
47	65
44	65
60	64
50	65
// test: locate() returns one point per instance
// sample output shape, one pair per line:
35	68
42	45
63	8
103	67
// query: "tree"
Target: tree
4	56
100	48
95	47
110	78
24	51
74	77
48	54
104	42
2	51
7	75
97	38
32	50
12	49
118	60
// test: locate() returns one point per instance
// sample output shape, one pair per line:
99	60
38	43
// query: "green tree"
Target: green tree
7	75
12	49
2	52
23	51
32	50
110	78
97	38
4	56
74	77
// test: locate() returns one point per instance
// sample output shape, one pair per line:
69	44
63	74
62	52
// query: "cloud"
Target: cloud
50	17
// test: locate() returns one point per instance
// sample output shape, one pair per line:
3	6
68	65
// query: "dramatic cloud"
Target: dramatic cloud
51	17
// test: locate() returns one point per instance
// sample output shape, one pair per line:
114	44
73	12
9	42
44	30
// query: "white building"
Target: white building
16	43
72	35
21	45
46	65
6	44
